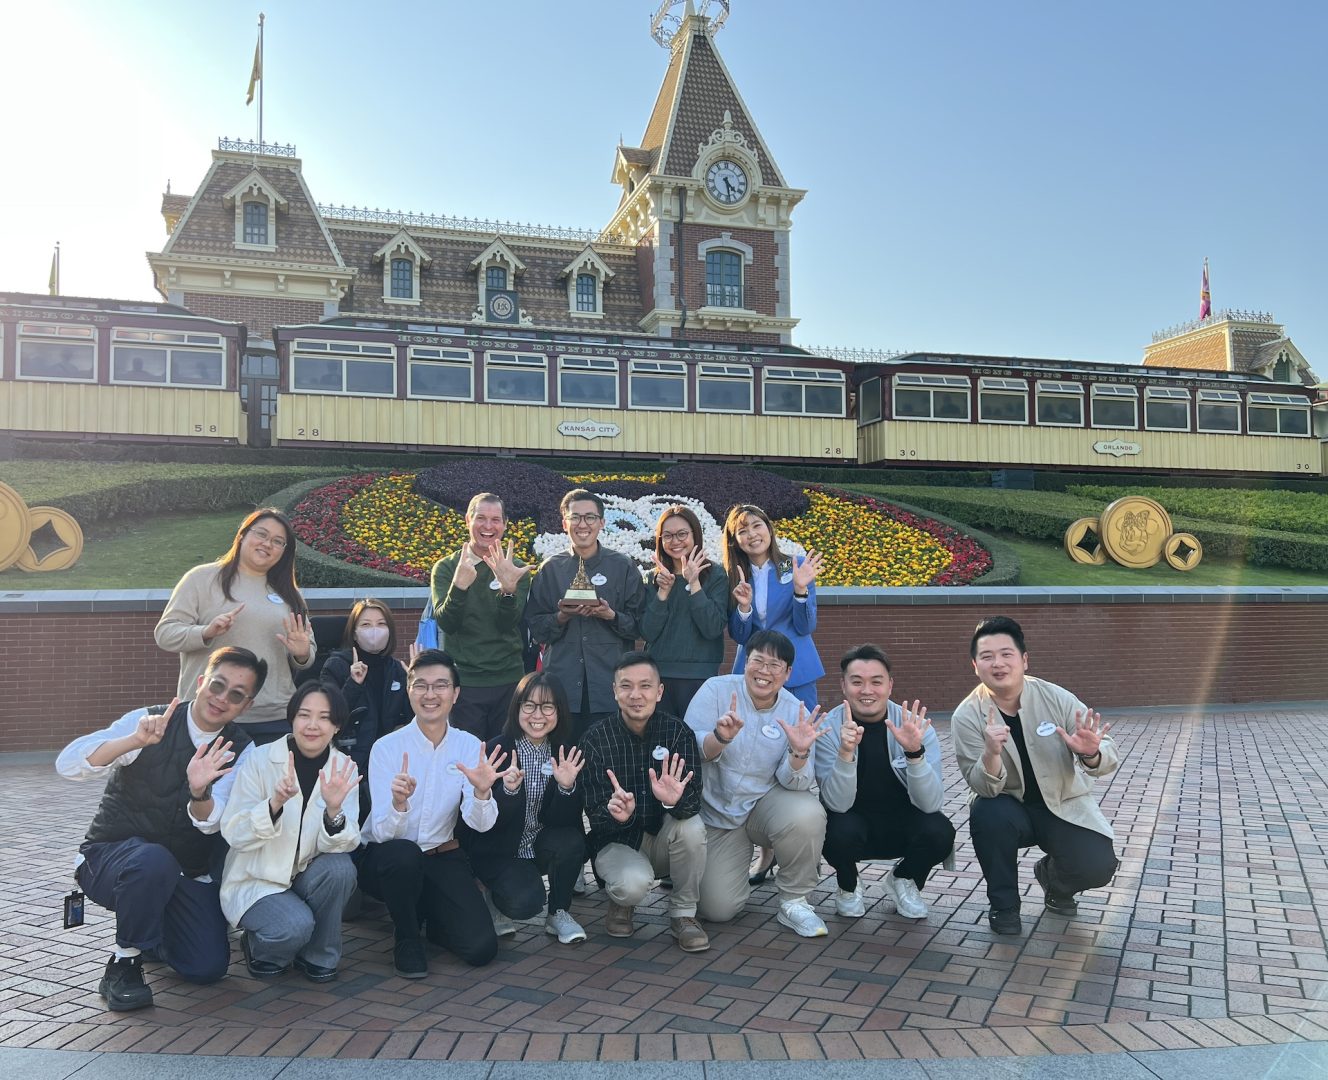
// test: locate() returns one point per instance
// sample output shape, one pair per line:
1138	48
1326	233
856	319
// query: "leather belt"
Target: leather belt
442	849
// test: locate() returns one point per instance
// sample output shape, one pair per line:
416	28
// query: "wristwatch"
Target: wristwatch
334	822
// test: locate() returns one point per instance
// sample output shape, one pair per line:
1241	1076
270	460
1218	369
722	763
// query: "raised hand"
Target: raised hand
912	728
850	735
728	725
466	568
664	579
505	569
288	786
996	732
298	638
668	786
221	623
802	735
415	649
210	763
622	803
1088	731
693	566
485	772
336	782
513	777
567	767
403	786
742	592
152	726
359	669
805	572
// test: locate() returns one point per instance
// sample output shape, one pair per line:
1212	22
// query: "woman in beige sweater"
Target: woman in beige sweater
248	598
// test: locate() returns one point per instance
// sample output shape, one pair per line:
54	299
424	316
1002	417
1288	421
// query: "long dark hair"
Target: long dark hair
734	556
540	680
281	577
693	523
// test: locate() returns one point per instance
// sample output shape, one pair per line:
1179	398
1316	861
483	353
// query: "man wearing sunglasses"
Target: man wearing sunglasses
153	853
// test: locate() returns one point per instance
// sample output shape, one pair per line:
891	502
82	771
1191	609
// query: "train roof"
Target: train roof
99	303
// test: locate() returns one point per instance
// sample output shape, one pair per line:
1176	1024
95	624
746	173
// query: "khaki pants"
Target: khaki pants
791	822
678	849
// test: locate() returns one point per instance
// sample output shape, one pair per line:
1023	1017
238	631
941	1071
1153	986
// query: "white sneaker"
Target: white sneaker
850	905
799	917
579	885
905	895
565	928
502	925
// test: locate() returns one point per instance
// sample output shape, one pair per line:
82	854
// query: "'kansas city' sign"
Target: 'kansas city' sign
589	429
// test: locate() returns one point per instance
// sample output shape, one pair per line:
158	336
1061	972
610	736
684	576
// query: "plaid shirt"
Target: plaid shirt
611	745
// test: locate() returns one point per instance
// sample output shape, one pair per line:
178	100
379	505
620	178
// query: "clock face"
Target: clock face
726	182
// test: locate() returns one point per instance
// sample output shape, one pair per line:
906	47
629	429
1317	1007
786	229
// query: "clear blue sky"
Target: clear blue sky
1032	178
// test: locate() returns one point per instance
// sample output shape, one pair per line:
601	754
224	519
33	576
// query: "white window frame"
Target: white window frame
255	188
727	373
931	383
508	359
873	394
1056	388
342	351
593	365
802	378
1279	402
1228	399
44	333
1003	388
435	355
1171	394
587	262
658	369
1113	391
167	341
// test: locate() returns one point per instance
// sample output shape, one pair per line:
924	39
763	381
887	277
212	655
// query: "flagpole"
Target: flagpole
261	81
57	268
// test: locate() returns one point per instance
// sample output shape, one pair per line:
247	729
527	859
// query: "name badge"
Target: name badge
599	579
494	586
1046	728
900	763
396	685
547	768
659	753
452	768
771	732
275	598
784	579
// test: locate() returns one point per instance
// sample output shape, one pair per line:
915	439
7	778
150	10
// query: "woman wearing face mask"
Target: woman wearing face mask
292	820
539	827
371	677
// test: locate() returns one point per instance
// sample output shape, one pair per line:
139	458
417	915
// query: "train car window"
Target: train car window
516	378
1166	408
1278	414
168	358
723	388
1002	401
588	380
446	374
931	397
49	351
1115	406
803	392
1060	404
657	384
869	402
348	367
1219	412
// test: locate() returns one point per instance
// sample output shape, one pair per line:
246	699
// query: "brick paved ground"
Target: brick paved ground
1211	935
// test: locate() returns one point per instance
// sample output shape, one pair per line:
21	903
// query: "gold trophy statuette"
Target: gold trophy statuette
580	591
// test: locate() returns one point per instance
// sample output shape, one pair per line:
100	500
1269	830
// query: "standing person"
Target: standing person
643	800
153	852
880	779
372	679
686	610
756	739
479	596
1029	750
291	822
247	598
422	778
583	641
539	815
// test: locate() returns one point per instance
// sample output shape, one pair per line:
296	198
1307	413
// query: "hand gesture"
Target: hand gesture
505	569
485	772
298	638
152	726
335	783
668	786
913	728
742	592
358	670
513	777
995	733
850	735
804	733
805	572
622	804
1088	731
728	725
464	575
221	623
403	786
664	579
567	766
415	649
210	763
288	786
694	566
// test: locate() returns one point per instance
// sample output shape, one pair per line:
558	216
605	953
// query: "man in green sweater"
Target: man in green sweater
479	597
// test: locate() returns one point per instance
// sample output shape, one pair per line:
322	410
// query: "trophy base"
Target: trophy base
575	598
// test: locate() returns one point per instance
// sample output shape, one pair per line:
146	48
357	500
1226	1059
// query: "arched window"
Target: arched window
723	279
586	292
255	222
403	279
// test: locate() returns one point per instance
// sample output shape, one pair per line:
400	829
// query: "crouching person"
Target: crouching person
291	822
153	852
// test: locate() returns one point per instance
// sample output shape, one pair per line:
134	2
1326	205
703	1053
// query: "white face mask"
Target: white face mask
371	638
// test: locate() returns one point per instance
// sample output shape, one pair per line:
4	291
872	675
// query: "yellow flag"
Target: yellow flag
257	72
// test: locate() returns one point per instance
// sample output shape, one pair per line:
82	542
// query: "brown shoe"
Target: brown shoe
618	920
688	934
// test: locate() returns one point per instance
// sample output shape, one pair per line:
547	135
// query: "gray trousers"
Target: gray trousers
305	920
678	849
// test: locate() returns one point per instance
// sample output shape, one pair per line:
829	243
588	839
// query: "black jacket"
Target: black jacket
371	715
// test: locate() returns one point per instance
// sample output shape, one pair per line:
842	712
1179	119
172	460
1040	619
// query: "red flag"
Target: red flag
1205	297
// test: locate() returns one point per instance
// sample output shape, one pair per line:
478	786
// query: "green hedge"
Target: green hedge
1279	511
1062	481
848	474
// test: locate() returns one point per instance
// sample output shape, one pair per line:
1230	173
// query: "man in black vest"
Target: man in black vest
153	853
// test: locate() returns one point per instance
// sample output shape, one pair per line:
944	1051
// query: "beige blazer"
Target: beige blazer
1065	782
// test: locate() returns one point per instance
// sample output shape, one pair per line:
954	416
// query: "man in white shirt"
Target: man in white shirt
421	778
153	852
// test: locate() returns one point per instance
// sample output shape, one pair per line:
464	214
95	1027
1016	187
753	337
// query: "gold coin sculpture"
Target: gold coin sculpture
14	526
54	543
1083	542
1134	529
1182	551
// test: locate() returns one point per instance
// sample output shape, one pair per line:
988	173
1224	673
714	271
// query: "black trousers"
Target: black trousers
920	841
1078	858
436	891
515	883
482	710
678	694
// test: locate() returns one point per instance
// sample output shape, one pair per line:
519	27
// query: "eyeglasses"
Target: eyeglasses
544	708
762	664
263	536
582	519
442	686
676	537
220	688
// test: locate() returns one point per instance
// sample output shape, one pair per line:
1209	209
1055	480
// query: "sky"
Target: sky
1031	178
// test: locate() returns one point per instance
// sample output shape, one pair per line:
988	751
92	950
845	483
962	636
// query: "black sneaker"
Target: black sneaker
259	969
1058	903
1005	921
408	959
315	972
123	987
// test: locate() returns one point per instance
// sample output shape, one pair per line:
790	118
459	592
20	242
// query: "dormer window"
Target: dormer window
402	260
495	277
256	204
255	221
586	277
403	279
497	269
585	293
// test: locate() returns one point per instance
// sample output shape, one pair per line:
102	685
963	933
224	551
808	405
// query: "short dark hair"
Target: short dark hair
580	495
369	603
562	733
336	701
864	652
632	658
434	658
771	641
997	624
241	658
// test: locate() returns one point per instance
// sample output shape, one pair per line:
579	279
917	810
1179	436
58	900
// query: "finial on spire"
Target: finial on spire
665	24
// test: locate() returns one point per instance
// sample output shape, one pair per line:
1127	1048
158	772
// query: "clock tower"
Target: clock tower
705	205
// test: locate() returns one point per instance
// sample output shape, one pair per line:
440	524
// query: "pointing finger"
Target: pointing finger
405	764
617	787
355	654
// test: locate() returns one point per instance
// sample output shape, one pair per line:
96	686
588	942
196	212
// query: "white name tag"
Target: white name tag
494	585
275	598
784	579
771	732
1046	728
396	685
599	579
900	763
547	768
659	753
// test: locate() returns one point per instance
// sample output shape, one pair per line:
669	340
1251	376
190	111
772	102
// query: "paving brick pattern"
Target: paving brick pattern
1210	936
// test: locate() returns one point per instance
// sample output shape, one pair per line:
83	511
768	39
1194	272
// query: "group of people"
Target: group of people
450	788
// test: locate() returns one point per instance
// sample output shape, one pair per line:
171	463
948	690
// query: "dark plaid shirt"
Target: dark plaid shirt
611	745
